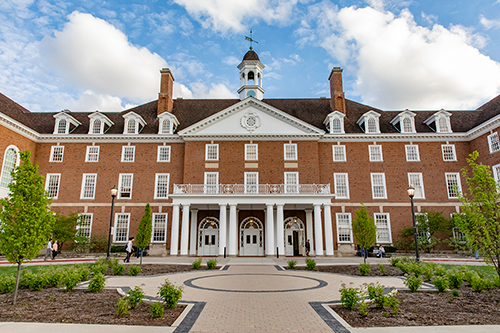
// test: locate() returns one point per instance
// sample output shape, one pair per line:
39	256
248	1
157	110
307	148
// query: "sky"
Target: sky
92	55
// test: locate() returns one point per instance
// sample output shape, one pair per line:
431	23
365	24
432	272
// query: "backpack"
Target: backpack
125	246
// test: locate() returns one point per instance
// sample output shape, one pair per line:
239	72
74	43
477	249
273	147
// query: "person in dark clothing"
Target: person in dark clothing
308	248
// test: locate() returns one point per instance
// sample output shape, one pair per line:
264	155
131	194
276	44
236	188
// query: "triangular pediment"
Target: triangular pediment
251	117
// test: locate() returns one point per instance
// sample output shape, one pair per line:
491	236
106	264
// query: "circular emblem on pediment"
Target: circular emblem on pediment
250	121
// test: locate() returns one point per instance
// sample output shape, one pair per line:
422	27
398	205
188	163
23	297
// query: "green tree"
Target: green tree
143	236
482	210
428	224
65	229
26	217
364	230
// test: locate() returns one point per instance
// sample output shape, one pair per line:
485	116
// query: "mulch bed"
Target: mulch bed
156	269
426	308
354	270
52	305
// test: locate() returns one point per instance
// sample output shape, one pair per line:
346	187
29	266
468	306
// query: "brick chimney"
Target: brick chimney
337	98
165	102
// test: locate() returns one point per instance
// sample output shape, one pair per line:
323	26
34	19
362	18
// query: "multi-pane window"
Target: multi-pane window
56	153
336	126
131	124
344	227
9	163
412	154
163	154
339	154
212	152
493	142
407	125
61	126
371	125
251	152
92	154
291	182
97	126
453	185
159	232
496	173
211	182
88	186
251	182
290	151
443	125
448	152
378	186
383	225
375	153
165	127
85	225
121	227
52	184
161	185
128	153
415	180
125	185
341	185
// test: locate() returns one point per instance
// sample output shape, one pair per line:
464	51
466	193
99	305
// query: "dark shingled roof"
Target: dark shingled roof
251	55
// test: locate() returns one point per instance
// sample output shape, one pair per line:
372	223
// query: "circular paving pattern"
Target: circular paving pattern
255	283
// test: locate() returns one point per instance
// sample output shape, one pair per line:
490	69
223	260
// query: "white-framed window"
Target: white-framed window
128	153
161	185
371	126
125	185
412	154
84	226
291	182
10	161
62	126
251	182
339	154
211	152
159	232
97	126
251	152
407	125
378	186
122	222
341	185
383	224
52	184
453	185
369	122
166	126
211	182
449	153
344	227
335	122
493	142
164	154
290	151
421	232
375	153
92	154
131	126
89	181
56	154
443	125
496	173
336	126
415	180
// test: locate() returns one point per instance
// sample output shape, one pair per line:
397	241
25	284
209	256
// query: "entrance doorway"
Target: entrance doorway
208	239
251	237
294	237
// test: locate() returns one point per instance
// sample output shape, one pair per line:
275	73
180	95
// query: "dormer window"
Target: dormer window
335	122
369	122
97	127
440	122
65	123
99	123
62	127
405	122
133	123
167	123
131	128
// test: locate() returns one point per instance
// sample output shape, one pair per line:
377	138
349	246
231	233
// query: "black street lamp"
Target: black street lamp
114	191
411	193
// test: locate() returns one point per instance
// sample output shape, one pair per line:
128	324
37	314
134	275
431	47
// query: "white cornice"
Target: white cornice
247	137
19	128
110	138
394	137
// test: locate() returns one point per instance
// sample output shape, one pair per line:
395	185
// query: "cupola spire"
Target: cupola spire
251	74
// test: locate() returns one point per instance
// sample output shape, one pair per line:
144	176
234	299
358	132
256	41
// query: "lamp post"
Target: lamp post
411	193
114	191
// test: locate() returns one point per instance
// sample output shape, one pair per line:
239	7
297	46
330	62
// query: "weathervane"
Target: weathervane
251	40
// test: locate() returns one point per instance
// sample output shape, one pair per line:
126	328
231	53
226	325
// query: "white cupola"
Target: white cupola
251	76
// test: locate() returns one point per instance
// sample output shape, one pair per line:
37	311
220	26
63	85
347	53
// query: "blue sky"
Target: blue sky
106	55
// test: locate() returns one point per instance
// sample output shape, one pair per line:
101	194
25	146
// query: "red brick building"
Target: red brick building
250	176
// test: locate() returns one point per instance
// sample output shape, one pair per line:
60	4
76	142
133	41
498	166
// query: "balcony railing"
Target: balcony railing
261	189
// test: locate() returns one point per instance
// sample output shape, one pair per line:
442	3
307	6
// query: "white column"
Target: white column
309	229
328	229
279	230
233	230
185	230
194	237
222	228
270	230
318	230
174	237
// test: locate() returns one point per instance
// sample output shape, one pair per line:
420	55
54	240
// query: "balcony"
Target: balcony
261	189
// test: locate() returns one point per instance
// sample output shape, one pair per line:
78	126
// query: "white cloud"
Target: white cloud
488	24
231	60
214	91
89	101
401	64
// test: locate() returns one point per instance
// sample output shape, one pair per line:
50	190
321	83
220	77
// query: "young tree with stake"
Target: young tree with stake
143	236
364	230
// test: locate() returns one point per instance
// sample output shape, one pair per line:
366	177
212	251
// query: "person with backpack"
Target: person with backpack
129	249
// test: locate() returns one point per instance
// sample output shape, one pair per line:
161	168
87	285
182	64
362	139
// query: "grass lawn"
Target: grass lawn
488	271
33	268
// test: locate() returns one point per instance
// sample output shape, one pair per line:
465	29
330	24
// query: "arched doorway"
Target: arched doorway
294	237
208	237
251	237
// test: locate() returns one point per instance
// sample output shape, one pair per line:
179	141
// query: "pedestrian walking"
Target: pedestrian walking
48	253
54	250
308	248
129	249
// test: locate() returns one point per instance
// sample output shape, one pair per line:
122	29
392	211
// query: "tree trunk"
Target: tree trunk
366	255
141	257
17	282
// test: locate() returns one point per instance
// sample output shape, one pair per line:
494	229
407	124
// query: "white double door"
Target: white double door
210	242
